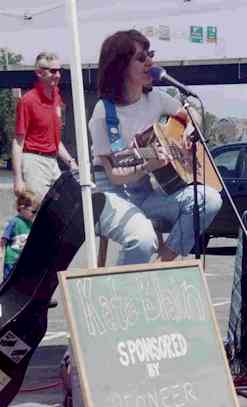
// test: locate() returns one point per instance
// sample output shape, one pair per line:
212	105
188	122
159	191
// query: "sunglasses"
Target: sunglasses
142	56
53	71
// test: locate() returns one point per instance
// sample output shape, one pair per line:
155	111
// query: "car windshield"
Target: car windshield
232	163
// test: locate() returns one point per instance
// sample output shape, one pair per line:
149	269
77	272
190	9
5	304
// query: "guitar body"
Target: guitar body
168	179
56	235
179	173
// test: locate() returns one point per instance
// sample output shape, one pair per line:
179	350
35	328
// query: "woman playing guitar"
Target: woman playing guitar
129	105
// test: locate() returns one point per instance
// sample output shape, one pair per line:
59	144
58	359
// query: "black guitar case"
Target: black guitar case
56	235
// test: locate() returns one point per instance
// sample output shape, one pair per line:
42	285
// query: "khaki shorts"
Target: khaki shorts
39	173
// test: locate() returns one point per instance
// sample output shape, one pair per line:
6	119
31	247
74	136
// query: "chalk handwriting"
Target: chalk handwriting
114	307
152	349
175	395
153	369
93	320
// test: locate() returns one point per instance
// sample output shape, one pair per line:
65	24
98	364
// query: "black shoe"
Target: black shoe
52	304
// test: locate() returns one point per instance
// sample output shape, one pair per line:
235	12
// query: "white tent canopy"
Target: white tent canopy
28	27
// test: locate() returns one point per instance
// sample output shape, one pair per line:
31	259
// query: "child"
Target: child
17	230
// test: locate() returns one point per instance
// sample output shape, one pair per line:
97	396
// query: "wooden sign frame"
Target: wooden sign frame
68	276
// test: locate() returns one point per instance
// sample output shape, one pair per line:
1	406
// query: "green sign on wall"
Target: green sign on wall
211	34
146	336
196	34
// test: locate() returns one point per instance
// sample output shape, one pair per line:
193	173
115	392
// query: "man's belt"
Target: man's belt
52	154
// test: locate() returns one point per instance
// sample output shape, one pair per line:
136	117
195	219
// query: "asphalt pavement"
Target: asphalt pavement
42	383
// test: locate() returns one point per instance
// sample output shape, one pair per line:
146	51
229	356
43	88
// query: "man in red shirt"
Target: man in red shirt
37	142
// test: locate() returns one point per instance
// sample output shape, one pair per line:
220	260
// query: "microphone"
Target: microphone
160	74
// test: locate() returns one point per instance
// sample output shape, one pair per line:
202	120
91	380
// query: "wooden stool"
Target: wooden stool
102	252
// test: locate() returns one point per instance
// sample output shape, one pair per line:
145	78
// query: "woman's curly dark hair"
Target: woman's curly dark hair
115	55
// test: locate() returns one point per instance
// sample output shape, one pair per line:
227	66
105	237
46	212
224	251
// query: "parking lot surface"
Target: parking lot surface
42	384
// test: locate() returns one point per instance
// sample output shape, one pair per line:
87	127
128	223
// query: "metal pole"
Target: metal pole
81	133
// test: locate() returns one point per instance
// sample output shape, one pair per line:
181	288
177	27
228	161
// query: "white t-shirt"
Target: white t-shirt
133	119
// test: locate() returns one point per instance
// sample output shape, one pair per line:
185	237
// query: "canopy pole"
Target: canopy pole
81	133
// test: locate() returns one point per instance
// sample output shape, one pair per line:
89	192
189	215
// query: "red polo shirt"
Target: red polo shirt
38	119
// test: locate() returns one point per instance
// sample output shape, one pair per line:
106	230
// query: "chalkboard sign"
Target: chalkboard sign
146	336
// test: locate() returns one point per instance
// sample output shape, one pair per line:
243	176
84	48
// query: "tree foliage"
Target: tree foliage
7	104
9	58
210	121
7	120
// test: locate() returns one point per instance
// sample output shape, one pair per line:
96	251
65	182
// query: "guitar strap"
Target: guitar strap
113	129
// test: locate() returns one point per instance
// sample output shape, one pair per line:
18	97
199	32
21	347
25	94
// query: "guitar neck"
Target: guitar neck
147	153
132	157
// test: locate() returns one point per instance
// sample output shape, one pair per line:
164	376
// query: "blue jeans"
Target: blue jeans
7	270
129	211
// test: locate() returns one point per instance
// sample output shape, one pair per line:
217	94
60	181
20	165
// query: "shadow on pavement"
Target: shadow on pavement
42	383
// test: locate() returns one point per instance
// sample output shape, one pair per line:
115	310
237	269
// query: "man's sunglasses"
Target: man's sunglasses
142	56
53	71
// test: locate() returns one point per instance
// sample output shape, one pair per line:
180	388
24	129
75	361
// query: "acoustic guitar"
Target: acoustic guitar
179	172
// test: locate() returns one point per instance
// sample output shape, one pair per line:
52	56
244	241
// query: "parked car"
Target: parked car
231	161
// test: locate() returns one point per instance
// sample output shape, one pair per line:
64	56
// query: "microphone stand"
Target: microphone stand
196	214
198	136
